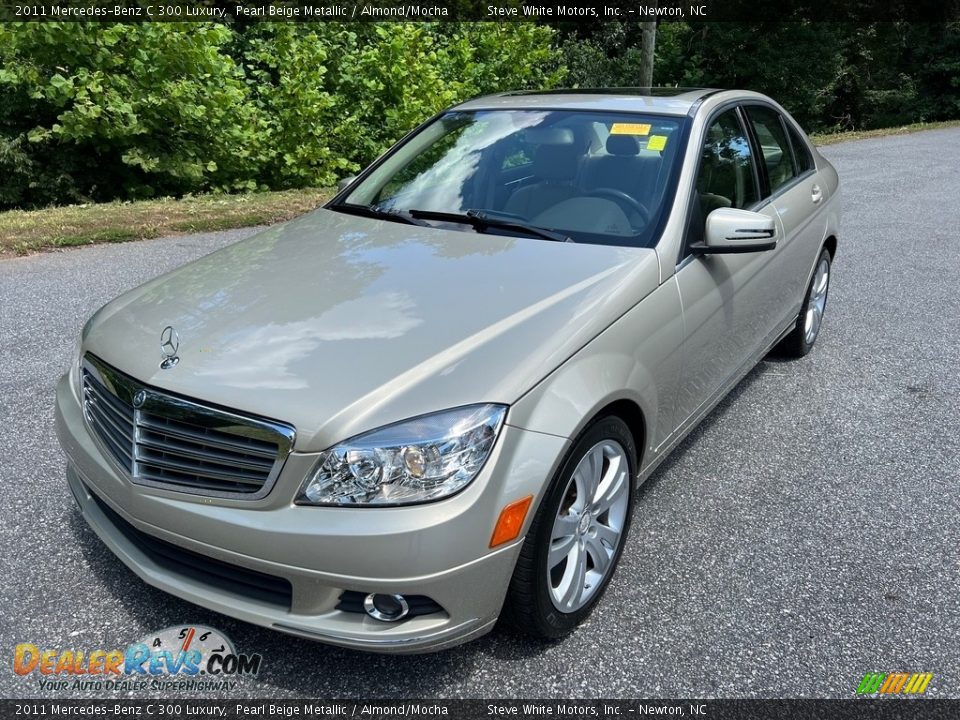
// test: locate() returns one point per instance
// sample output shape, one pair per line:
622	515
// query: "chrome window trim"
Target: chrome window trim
170	406
787	187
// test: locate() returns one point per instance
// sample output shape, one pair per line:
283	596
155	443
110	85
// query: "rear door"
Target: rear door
789	180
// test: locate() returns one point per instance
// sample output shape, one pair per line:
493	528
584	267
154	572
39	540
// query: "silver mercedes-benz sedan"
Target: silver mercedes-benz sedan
425	406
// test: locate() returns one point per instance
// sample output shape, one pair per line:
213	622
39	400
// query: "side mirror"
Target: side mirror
736	231
345	183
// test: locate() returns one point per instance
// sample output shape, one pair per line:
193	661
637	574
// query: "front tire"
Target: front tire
576	538
801	339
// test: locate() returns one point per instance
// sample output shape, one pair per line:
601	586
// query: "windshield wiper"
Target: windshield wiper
481	221
398	216
381	213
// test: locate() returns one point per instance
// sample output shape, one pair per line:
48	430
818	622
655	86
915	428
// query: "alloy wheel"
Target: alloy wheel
818	301
588	529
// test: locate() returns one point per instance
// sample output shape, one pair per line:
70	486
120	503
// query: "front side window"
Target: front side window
591	176
773	145
726	176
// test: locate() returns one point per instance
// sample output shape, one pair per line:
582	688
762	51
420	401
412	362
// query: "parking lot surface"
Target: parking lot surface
805	534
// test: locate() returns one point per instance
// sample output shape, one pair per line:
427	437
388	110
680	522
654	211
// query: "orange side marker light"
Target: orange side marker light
510	522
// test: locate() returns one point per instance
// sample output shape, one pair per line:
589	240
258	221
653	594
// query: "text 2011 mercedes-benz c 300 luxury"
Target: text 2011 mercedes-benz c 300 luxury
424	406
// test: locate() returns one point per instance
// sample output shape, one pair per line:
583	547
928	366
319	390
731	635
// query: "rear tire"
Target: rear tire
575	540
801	339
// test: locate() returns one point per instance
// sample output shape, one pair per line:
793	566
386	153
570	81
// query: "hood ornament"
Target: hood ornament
169	344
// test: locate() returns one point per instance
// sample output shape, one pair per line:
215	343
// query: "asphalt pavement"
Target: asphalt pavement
805	534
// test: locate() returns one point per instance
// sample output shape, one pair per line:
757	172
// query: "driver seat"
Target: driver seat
623	168
555	167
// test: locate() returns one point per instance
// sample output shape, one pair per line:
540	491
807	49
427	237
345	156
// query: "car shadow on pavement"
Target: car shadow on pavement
297	667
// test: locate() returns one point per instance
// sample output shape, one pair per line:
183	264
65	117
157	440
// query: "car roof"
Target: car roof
663	101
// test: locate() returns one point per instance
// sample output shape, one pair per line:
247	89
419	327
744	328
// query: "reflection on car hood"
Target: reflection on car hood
339	324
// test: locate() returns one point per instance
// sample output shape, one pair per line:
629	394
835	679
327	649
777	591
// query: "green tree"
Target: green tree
91	111
129	110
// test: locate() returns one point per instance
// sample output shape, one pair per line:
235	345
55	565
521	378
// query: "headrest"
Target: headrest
556	162
622	145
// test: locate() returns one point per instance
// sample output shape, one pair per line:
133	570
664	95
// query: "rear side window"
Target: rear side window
800	151
774	145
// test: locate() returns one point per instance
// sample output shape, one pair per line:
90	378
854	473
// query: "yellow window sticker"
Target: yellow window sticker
657	142
630	129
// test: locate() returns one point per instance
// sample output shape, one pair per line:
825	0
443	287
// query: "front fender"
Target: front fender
636	359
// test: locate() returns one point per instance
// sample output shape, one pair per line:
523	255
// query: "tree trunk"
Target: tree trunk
648	32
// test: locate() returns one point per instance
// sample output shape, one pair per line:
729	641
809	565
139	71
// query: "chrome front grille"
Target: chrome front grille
111	419
166	441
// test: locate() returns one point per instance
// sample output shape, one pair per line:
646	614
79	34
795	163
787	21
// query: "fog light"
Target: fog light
386	608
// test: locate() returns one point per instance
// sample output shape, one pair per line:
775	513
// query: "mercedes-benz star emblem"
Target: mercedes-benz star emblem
140	398
169	344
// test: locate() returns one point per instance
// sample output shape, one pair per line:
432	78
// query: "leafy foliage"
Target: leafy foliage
132	110
338	95
830	76
94	111
90	111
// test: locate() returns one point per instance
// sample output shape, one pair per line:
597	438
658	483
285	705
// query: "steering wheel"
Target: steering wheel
623	200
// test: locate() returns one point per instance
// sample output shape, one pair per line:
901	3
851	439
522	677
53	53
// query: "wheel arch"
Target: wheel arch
593	388
632	414
830	243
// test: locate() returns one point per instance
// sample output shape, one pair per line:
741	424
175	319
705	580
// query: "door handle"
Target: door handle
816	195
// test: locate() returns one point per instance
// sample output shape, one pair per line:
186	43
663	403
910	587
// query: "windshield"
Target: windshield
590	176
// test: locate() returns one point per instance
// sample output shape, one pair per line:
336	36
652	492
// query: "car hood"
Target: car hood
339	324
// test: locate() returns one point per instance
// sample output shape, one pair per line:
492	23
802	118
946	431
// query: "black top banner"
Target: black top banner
753	11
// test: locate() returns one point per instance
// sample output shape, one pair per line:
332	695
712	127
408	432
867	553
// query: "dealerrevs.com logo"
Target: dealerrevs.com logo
190	657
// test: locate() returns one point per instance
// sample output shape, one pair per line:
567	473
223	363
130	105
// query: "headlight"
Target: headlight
426	458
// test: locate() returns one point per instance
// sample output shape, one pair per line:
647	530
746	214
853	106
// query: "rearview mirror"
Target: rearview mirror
737	231
345	183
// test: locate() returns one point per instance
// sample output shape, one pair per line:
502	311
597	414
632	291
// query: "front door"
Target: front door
728	300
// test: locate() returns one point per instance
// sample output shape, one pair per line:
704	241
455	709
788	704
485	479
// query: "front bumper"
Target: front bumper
439	550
